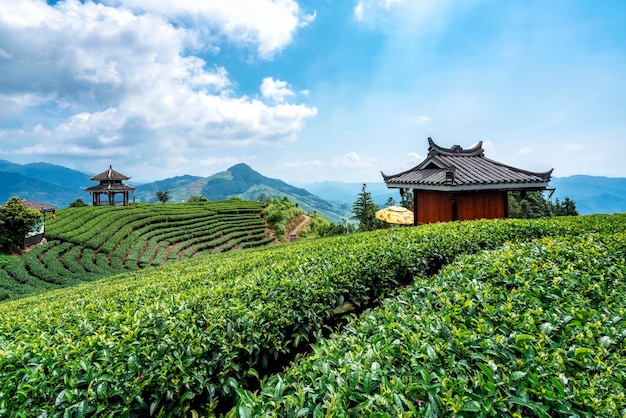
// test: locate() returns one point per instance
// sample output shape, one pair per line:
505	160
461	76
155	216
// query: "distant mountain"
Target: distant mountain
60	186
592	194
42	182
61	176
241	181
180	188
346	193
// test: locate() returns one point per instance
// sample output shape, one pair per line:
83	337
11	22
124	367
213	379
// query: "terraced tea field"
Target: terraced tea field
88	243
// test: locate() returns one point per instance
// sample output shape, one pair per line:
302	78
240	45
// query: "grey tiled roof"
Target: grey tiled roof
455	169
41	207
110	174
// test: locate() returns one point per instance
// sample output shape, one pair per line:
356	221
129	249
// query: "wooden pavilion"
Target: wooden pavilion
456	184
111	185
38	233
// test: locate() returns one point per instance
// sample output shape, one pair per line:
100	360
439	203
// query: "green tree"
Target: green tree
163	195
77	203
565	208
364	210
535	205
407	199
15	222
390	202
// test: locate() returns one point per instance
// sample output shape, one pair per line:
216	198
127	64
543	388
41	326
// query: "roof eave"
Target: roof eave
535	186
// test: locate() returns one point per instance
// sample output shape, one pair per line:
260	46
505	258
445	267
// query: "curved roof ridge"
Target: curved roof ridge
110	174
456	150
541	174
469	170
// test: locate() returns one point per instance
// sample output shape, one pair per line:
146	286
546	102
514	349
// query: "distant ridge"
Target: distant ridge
60	186
180	188
241	181
592	194
48	183
238	180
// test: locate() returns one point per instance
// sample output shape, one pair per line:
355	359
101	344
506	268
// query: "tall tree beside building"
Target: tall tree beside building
364	210
535	205
407	199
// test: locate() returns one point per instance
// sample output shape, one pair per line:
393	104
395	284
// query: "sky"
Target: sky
315	90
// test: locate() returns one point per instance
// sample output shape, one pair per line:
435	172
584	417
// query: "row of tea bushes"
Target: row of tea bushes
184	337
533	329
89	243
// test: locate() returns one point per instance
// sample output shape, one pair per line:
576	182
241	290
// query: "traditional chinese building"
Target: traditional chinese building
456	184
111	185
38	233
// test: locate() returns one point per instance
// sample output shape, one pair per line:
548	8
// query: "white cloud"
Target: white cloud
407	15
526	150
414	157
303	165
225	161
389	3
351	160
267	24
275	89
116	80
418	120
359	11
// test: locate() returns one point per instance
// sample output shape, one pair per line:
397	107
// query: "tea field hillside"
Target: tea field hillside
484	318
89	243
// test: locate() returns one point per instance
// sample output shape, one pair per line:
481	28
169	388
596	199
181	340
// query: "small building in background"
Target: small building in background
455	184
38	233
111	184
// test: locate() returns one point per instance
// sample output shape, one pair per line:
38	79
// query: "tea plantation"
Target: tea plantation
89	243
484	318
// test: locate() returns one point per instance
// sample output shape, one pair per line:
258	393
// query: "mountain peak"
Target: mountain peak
240	166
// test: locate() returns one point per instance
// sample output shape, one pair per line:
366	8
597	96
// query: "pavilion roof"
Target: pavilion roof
110	174
109	187
458	169
41	207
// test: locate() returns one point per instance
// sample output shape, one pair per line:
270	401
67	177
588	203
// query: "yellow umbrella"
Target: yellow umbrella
395	215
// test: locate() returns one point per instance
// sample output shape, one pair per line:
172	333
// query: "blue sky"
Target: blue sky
312	90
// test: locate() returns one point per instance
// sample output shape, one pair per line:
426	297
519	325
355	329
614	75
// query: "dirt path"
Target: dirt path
293	235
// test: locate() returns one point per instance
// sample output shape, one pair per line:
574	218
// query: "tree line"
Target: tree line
521	205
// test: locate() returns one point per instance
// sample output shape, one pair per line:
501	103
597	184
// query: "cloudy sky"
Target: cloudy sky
311	90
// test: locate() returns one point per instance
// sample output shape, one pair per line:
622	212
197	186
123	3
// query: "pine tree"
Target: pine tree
364	210
390	202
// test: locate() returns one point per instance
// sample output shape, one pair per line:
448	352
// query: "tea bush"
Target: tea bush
89	243
183	338
533	329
